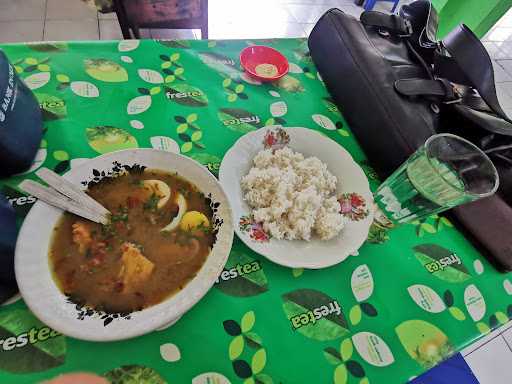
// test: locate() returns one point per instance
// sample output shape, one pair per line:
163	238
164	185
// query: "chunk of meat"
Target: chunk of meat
81	236
135	268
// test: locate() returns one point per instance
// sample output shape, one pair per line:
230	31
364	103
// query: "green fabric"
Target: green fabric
480	16
402	297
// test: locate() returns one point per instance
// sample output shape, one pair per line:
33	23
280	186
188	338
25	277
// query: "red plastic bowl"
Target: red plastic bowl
254	55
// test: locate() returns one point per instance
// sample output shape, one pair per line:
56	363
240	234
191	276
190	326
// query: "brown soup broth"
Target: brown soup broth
88	259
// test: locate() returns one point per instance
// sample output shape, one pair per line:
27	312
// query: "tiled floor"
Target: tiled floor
498	42
490	358
33	20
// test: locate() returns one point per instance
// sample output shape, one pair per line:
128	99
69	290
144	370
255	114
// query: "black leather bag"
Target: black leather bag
396	86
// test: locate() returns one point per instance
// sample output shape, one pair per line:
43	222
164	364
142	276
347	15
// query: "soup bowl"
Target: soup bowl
34	272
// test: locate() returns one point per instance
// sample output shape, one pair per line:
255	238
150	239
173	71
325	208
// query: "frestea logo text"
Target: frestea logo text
311	317
441	264
33	336
248	120
47	104
212	60
238	271
182	95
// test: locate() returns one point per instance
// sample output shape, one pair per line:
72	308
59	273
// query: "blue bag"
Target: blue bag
20	122
8	233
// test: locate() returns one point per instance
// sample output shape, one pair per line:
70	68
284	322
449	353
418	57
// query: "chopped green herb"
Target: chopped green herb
185	192
184	237
206	229
122	215
108	230
151	203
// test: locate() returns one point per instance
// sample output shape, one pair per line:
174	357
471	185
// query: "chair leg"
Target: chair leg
394	6
369	4
136	32
123	21
204	16
204	32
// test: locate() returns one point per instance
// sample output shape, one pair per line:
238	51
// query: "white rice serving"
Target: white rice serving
292	196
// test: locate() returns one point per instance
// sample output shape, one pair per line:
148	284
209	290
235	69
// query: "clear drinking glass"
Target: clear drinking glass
445	172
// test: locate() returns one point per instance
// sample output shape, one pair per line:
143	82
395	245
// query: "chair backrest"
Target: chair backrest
148	13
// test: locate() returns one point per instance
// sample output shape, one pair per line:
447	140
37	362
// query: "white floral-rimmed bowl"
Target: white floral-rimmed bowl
353	191
49	304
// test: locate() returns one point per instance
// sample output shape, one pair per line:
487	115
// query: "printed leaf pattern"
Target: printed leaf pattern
303	300
239	120
427	298
248	321
373	349
36	357
424	342
475	303
430	254
251	372
362	283
249	284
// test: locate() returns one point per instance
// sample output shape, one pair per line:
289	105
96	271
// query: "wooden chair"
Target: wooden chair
161	14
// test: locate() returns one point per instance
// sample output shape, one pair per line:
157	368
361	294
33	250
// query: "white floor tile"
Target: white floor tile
505	87
308	27
500	75
507	335
22	10
21	31
177	34
313	2
69	10
255	31
353	10
506	65
383	6
504	92
492	363
263	11
307	13
110	30
499	34
506	20
107	16
492	49
71	30
484	340
504	50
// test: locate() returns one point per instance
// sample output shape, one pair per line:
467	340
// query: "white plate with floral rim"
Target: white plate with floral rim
60	312
353	191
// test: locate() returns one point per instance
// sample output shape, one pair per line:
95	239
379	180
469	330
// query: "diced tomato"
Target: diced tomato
69	280
132	202
99	249
119	286
95	261
98	253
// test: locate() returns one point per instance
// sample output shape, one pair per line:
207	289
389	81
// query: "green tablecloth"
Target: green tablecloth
405	301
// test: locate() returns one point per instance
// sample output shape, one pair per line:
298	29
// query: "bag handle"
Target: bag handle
390	23
474	62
